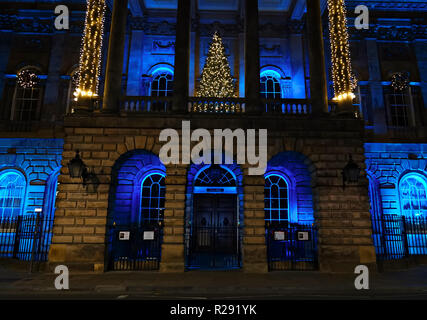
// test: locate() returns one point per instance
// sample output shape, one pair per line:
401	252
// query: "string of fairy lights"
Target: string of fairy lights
90	52
343	79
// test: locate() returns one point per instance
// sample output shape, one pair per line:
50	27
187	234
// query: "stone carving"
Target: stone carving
224	30
161	47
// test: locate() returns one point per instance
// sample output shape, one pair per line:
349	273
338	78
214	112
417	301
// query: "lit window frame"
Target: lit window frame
423	180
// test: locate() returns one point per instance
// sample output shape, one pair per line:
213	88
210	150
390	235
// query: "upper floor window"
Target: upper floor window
276	199
162	85
270	87
153	198
399	101
412	192
12	194
27	96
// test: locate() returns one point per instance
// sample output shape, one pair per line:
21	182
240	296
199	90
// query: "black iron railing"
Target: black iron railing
135	247
396	237
213	247
291	247
25	237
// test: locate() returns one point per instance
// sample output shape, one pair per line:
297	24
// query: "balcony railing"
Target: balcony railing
136	104
216	105
145	104
287	106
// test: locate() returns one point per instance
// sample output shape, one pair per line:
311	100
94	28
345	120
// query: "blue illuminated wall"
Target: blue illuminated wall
297	171
128	173
387	164
39	161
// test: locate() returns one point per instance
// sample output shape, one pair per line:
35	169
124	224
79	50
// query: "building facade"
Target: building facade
130	211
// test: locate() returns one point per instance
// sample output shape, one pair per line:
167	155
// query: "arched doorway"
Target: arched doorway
213	235
136	212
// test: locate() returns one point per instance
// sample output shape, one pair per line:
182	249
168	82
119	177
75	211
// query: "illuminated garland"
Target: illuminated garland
344	82
27	79
216	80
90	53
399	81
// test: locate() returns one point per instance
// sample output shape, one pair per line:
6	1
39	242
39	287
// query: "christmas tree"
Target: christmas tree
216	79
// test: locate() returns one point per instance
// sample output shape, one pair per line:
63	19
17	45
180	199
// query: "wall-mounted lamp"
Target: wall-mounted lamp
78	169
76	166
351	172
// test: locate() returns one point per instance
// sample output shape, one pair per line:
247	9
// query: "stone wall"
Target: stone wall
38	160
387	163
342	215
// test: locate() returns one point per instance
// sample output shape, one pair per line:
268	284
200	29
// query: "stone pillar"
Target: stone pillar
376	88
173	232
316	52
51	108
342	215
254	249
5	45
252	68
297	63
135	81
421	54
241	65
182	56
116	46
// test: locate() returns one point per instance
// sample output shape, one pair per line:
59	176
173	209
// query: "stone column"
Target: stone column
252	68
254	250
116	45
173	232
376	88
5	45
318	88
135	81
421	54
297	63
182	56
51	108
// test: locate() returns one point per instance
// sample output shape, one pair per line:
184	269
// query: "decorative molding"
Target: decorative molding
163	47
392	33
389	5
153	28
36	24
225	30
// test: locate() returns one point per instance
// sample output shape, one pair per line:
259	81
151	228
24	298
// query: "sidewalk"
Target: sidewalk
404	284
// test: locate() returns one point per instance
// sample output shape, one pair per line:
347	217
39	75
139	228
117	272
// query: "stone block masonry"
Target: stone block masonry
39	161
342	215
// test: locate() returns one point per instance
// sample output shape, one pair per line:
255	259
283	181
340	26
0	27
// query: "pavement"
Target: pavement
17	283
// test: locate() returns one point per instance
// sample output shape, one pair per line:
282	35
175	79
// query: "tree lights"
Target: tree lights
90	54
344	82
216	76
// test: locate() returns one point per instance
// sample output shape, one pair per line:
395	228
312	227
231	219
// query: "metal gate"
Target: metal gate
213	239
26	238
291	247
135	247
396	237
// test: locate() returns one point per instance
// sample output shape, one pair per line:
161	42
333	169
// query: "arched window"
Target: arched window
270	87
27	96
162	85
413	199
153	198
276	199
12	194
215	176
